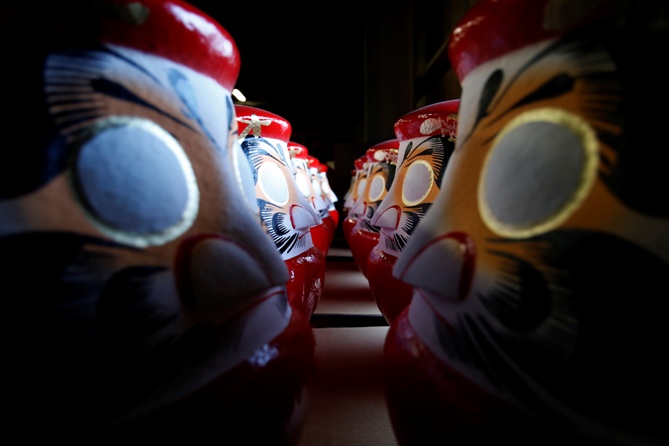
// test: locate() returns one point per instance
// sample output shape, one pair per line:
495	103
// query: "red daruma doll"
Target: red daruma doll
142	295
310	188
284	210
358	183
381	159
540	271
426	140
329	193
322	234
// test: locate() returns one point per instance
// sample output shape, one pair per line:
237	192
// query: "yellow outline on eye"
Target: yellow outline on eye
143	239
585	133
408	202
383	186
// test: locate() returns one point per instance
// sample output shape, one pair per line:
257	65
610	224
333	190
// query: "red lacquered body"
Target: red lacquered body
322	235
307	277
391	295
334	214
347	227
262	400
362	242
431	404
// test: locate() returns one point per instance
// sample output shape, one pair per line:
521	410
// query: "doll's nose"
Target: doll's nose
302	218
218	274
443	266
387	218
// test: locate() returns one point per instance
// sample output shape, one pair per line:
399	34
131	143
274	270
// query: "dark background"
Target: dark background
305	64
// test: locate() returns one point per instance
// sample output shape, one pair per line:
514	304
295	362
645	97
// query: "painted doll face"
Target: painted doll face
303	180
421	164
540	236
327	190
134	222
138	149
379	179
348	196
360	182
286	213
374	185
321	199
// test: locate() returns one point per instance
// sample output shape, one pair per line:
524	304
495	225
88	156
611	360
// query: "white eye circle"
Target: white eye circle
538	172
303	183
316	184
362	184
244	174
376	188
135	182
418	182
273	184
326	185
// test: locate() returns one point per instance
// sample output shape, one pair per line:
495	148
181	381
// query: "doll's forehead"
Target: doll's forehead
475	39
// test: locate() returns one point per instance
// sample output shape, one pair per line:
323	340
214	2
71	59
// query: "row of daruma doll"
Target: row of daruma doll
516	238
148	228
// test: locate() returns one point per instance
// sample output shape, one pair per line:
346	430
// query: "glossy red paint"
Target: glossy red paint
412	125
391	295
430	403
194	39
334	214
478	36
323	234
347	227
253	120
263	400
307	277
361	243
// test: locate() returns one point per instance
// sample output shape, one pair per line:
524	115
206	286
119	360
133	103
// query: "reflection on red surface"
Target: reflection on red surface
307	276
391	295
362	242
422	392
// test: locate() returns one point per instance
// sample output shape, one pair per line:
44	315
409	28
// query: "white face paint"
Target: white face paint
285	211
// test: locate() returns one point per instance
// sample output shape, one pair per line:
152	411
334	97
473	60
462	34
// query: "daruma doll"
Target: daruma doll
381	164
540	269
426	140
143	296
285	212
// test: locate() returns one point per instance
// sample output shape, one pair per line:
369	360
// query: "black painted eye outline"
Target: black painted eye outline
500	160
